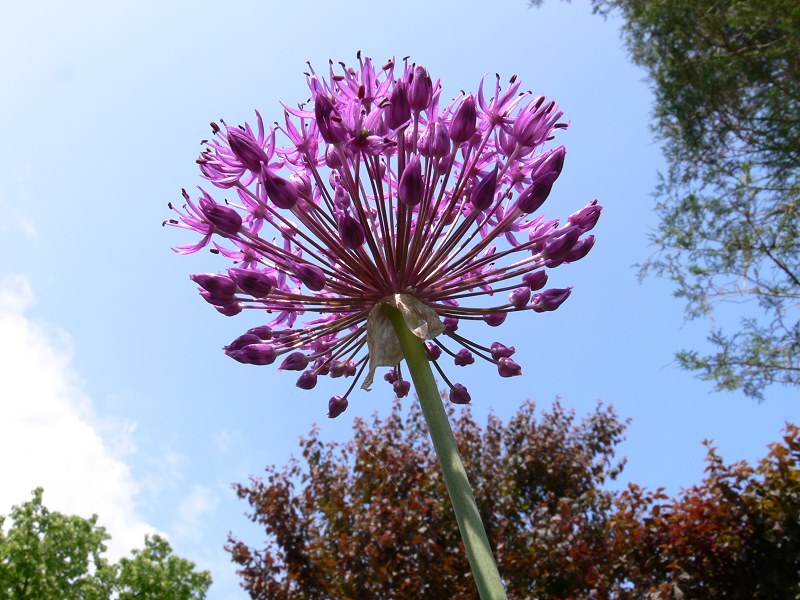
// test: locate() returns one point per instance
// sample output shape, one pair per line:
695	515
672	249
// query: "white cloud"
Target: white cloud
49	434
16	219
199	504
224	440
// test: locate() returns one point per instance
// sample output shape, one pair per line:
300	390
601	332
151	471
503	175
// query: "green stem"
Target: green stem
484	568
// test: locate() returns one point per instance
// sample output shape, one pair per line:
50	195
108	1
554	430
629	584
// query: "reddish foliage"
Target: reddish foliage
370	518
736	535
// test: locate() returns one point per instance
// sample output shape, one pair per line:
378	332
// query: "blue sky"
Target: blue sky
114	393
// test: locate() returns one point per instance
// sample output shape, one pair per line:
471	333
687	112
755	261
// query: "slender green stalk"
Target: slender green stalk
484	568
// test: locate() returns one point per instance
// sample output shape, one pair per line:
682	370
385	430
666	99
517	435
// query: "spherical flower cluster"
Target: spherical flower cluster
377	193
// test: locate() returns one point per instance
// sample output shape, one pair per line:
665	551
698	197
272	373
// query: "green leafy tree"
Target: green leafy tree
154	573
726	78
369	518
47	555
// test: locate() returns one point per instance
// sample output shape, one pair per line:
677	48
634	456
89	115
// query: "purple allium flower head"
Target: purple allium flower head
374	196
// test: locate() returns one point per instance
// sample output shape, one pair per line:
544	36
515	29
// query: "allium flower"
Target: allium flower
378	193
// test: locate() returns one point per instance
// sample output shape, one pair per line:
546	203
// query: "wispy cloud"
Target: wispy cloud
197	506
49	433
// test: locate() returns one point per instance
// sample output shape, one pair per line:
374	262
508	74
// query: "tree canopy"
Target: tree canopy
369	518
726	79
47	555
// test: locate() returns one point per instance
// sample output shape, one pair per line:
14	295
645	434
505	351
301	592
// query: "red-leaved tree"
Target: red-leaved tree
370	518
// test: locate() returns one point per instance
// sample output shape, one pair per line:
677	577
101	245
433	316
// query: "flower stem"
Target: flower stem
479	553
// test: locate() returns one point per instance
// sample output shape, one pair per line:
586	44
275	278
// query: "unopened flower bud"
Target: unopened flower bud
230	309
434	141
507	142
390	376
220	286
508	368
215	299
279	190
580	249
311	276
411	186
519	297
307	380
223	218
256	354
533	196
450	324
329	124
421	92
398	111
350	231
332	158
336	406
254	283
464	122
557	248
499	350
341	199
459	394
550	299
336	369
296	361
463	358
302	185
482	195
495	319
401	388
264	332
240	342
432	351
246	149
322	366
536	280
552	161
586	218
